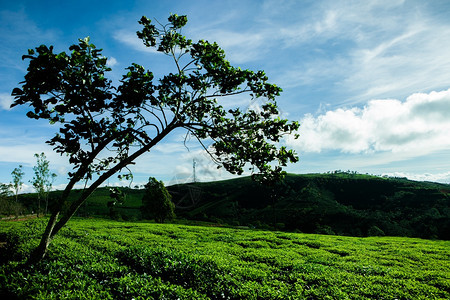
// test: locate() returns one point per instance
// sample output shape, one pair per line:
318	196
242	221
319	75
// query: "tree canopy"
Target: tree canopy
157	202
103	128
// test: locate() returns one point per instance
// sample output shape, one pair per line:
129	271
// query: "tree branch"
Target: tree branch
157	117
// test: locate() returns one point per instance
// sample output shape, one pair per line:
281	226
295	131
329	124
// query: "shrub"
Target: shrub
188	271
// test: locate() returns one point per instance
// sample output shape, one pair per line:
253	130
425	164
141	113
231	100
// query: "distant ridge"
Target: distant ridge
339	203
334	203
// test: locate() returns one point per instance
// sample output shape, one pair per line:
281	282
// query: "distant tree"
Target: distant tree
42	180
7	205
5	190
117	198
157	202
17	175
4	203
96	118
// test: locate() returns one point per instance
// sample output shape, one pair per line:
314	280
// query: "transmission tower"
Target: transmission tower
193	169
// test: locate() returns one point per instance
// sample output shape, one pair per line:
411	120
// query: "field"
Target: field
102	259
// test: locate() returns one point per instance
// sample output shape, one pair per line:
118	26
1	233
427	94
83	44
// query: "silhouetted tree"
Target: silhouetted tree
157	202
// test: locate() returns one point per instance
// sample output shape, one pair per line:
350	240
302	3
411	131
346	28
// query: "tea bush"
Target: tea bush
101	259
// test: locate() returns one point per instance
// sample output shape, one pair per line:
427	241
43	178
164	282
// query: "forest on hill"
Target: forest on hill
337	203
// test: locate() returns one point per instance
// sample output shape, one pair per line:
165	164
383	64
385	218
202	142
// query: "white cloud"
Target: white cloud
438	177
5	101
414	59
129	38
24	154
112	61
417	126
205	168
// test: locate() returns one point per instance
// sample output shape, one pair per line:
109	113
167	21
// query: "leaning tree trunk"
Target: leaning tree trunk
39	253
41	250
54	225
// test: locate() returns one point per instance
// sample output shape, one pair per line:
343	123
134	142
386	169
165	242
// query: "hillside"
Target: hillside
340	203
343	204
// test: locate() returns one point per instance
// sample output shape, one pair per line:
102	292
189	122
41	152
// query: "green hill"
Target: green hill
342	203
338	203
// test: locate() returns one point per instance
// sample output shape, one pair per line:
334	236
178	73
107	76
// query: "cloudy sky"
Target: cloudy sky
369	81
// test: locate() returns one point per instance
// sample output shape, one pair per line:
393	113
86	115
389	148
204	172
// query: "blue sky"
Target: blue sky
369	81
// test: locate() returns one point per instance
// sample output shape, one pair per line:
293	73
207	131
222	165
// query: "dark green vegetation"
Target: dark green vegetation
99	259
157	202
9	206
342	204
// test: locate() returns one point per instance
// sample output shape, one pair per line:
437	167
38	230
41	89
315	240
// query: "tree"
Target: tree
157	202
42	180
103	128
7	205
118	198
5	190
17	175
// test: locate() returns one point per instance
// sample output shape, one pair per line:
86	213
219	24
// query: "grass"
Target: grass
102	259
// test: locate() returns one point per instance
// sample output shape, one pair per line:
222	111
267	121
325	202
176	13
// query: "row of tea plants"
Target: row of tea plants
103	259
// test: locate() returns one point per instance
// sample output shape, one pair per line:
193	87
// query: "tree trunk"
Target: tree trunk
39	206
54	225
39	253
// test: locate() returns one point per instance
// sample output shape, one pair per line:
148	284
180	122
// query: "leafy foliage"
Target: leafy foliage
117	198
342	204
72	90
105	259
157	202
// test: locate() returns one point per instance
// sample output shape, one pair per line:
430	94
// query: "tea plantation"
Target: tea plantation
102	259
